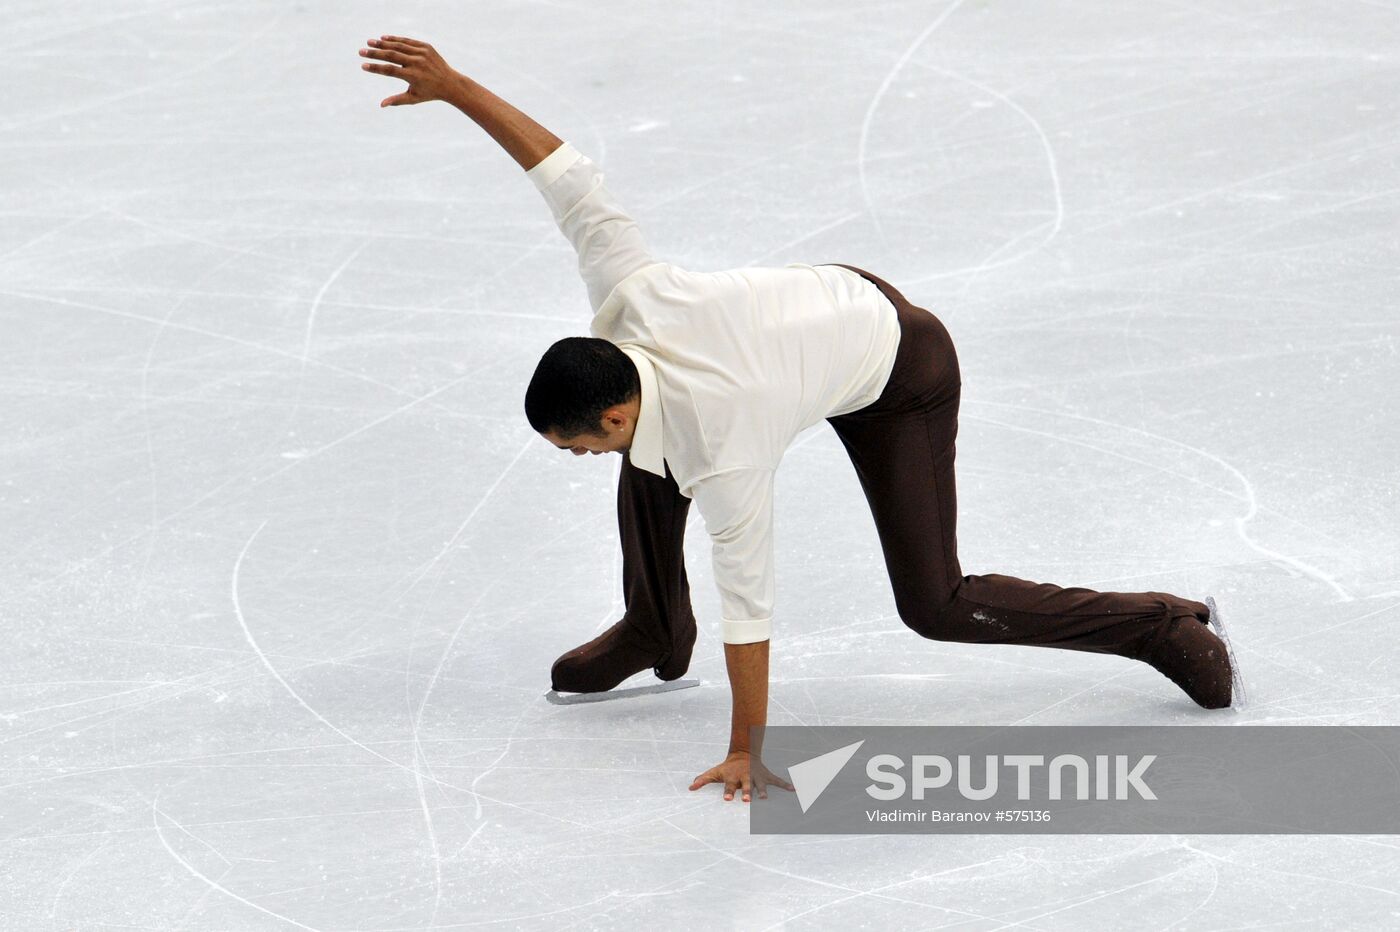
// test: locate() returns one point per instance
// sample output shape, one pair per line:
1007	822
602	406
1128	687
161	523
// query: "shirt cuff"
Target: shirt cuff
746	631
555	164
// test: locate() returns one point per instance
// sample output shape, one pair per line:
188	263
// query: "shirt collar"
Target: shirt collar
646	451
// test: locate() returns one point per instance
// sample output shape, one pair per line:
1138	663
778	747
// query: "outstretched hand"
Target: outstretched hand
739	772
429	77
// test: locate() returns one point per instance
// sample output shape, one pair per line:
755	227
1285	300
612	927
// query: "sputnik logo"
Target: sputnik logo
811	777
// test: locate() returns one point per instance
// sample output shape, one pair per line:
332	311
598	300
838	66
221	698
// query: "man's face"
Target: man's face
588	443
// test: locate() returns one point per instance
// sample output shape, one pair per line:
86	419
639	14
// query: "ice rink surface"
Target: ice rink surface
285	567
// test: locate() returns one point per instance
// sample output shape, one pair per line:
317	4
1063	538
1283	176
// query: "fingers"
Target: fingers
760	787
742	783
762	783
390	70
399	100
405	40
398	58
708	776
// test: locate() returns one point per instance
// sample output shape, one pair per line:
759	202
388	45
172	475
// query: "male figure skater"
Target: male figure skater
701	381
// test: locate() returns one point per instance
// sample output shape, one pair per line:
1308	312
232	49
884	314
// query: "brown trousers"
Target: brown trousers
902	447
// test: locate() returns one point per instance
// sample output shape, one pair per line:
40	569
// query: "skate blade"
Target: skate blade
559	698
1238	700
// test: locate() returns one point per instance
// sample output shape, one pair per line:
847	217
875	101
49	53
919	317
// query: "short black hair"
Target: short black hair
577	379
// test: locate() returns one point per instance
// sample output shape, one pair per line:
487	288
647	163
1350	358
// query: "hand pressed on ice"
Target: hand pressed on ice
739	772
418	63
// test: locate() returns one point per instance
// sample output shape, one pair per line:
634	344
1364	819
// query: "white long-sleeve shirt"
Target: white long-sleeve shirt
733	365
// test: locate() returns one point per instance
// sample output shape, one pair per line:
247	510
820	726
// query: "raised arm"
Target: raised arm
609	245
429	77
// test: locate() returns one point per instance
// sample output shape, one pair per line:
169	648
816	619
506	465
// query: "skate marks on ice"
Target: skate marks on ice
1249	495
